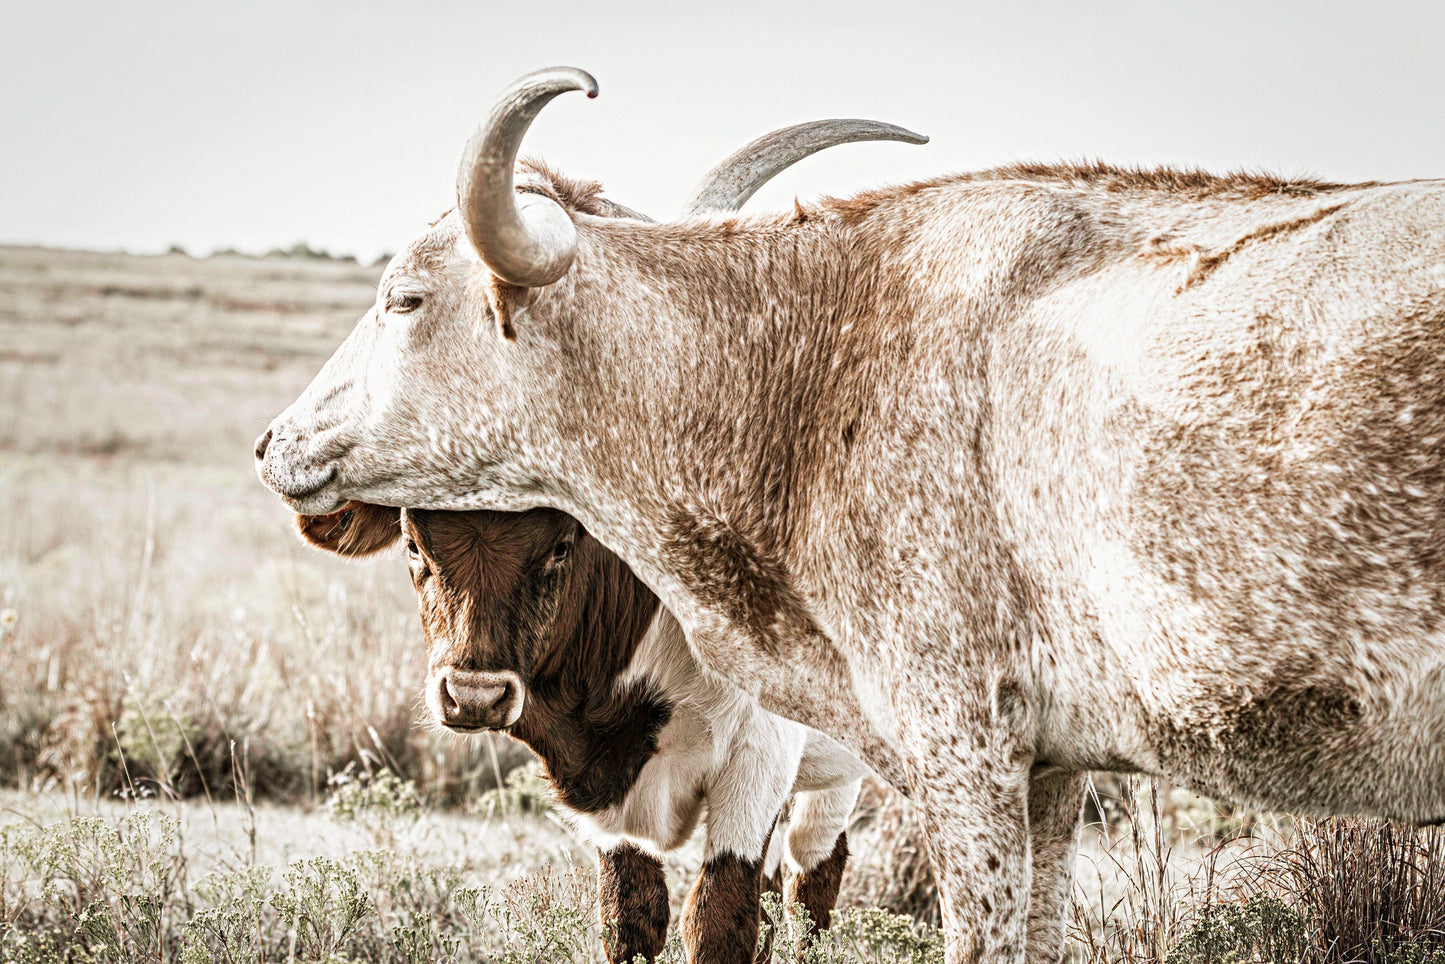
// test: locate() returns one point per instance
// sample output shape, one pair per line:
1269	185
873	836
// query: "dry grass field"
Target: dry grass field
209	747
161	608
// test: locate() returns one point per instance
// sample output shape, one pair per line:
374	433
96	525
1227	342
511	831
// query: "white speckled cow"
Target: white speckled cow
998	478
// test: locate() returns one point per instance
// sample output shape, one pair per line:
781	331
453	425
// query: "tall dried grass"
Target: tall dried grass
1167	889
154	627
889	865
160	611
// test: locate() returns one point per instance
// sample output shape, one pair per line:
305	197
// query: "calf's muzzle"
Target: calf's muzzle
468	700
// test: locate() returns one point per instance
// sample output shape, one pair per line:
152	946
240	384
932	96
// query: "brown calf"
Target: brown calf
536	629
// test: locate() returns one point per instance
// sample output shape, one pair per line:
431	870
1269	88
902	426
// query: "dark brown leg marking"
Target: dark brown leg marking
631	903
720	921
817	889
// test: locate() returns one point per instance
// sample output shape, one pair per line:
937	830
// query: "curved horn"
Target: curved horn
728	186
527	241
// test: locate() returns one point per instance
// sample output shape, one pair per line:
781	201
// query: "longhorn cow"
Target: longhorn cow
999	477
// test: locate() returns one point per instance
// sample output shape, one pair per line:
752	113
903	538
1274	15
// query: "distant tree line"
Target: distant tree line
300	249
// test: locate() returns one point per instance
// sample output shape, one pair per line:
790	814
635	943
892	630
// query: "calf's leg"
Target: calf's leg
744	798
720	918
631	903
818	849
816	889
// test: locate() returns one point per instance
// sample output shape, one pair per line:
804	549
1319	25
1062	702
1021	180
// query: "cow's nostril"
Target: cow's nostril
261	444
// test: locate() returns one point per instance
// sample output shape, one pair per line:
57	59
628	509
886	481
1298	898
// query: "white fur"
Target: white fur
723	756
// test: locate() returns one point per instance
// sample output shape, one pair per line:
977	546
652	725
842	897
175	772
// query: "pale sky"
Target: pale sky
258	124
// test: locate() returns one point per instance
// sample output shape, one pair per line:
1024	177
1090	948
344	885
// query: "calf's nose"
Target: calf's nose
261	444
469	700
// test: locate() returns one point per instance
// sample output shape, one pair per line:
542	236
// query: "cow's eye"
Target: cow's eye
400	304
412	550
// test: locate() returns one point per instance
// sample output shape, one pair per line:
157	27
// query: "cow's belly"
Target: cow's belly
1342	744
1353	728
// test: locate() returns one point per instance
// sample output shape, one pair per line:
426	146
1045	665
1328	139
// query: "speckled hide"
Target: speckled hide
997	478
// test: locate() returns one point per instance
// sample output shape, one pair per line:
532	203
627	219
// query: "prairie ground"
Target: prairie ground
209	736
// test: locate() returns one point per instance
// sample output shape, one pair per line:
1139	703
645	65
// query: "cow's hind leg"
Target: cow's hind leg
631	903
1056	802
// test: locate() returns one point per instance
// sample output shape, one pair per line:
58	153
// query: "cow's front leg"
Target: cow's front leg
970	759
978	842
631	903
1056	803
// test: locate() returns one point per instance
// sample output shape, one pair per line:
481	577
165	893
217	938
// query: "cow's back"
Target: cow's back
1195	440
1220	461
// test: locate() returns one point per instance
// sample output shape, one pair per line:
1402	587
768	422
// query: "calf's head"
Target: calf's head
505	599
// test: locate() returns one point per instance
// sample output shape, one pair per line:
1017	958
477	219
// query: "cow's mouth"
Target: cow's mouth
302	488
301	482
307	493
473	730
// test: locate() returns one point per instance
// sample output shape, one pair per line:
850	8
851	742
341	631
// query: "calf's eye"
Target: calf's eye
412	550
560	552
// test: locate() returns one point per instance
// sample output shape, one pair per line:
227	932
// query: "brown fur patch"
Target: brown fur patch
728	572
720	919
1207	264
595	752
503	299
1350	504
1167	248
631	904
817	889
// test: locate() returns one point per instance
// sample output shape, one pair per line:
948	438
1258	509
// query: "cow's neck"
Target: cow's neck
593	735
699	382
728	364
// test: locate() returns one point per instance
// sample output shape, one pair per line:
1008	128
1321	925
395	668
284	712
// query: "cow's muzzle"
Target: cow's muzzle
301	482
469	701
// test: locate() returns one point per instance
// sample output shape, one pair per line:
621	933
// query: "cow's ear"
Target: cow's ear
504	300
358	529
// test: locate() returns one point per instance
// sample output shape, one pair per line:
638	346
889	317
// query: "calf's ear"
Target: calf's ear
356	529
